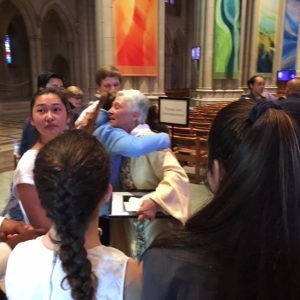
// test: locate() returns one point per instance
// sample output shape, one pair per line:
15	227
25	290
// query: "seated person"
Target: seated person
158	171
72	174
245	243
256	85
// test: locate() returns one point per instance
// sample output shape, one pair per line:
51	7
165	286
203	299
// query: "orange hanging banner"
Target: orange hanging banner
135	26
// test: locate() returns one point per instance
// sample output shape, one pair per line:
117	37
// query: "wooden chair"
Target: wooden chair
191	154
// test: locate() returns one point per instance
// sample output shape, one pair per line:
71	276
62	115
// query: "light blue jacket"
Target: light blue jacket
119	143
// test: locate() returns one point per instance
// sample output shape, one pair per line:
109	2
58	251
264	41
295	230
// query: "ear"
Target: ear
31	122
136	116
68	118
214	176
108	193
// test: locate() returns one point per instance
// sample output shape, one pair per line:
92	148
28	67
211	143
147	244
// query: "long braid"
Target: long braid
72	175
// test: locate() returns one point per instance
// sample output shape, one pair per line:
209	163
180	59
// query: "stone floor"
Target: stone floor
12	116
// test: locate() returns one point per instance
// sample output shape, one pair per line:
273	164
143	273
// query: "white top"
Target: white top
24	174
32	270
4	253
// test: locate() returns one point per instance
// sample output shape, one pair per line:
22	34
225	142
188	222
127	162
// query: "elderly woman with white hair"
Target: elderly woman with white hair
158	171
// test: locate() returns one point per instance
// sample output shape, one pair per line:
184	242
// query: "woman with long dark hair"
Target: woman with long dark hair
72	174
245	244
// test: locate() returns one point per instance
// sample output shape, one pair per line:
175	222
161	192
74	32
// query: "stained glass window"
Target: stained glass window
7	49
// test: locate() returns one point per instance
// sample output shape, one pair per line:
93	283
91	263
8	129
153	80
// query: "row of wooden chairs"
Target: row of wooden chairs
190	143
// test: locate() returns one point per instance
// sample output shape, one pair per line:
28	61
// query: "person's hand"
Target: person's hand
31	234
147	210
85	120
11	227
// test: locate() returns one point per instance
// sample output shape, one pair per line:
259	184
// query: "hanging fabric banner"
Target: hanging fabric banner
290	36
227	39
135	27
266	36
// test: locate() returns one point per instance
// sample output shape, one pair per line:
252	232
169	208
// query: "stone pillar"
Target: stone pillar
35	48
104	32
204	35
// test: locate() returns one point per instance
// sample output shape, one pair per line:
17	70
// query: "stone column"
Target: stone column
35	48
104	32
204	35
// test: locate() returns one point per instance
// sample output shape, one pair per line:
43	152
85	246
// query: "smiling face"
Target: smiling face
121	116
49	116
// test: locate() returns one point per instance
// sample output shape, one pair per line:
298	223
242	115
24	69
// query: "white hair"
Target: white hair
136	102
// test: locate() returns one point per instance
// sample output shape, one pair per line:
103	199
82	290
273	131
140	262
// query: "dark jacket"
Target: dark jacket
292	105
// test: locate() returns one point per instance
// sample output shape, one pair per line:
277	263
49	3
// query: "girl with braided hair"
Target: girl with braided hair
72	174
245	244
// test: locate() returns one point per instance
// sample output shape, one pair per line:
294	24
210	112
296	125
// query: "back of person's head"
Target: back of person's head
252	226
71	175
44	78
293	86
107	71
136	102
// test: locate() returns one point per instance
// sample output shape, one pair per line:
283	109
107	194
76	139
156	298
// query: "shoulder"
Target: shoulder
26	252
109	256
178	259
28	246
24	170
28	157
189	275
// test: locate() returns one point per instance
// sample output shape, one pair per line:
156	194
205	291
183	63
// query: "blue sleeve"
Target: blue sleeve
102	117
119	142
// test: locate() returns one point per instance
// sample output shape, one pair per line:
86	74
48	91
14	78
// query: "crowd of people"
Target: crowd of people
244	244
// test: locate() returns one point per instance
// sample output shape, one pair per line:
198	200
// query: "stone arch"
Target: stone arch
63	15
15	77
56	42
25	9
61	66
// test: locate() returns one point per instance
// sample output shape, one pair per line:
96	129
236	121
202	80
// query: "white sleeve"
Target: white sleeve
24	170
4	254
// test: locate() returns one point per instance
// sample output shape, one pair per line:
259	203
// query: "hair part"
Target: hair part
72	174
